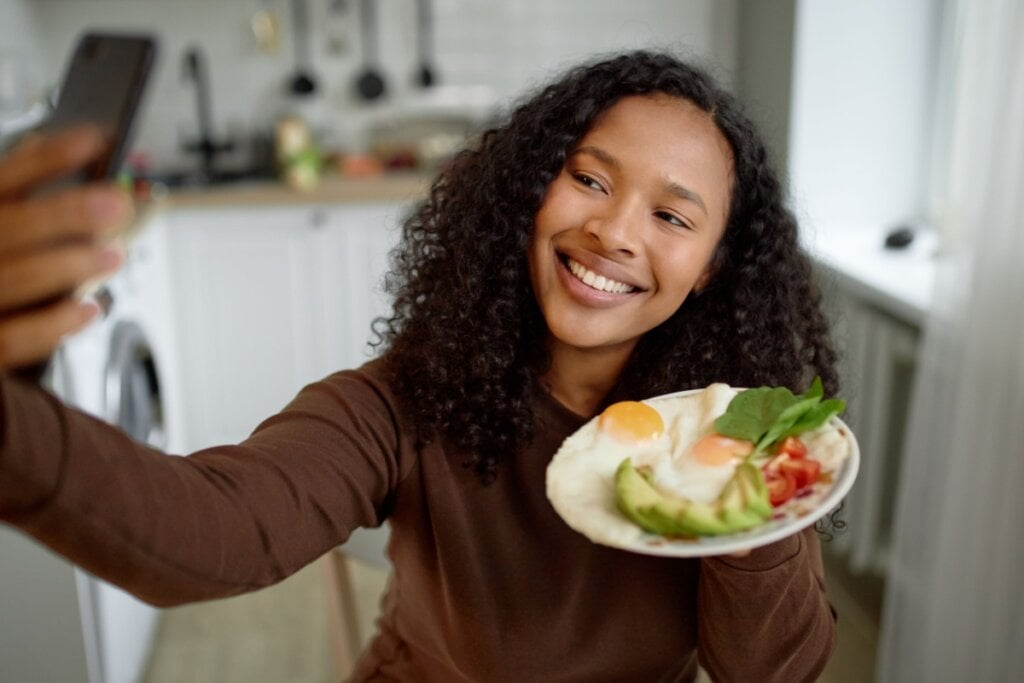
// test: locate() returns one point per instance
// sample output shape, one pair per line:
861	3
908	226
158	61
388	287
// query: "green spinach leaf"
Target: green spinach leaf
766	415
751	413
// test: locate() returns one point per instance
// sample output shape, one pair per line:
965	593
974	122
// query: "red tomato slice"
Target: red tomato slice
781	487
804	471
793	447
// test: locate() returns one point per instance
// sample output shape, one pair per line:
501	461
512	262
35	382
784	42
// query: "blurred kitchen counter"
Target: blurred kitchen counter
332	189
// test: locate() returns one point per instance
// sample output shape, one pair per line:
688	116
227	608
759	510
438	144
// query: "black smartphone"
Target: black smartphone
103	84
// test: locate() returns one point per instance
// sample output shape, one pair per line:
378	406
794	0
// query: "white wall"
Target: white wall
22	68
861	111
18	35
503	46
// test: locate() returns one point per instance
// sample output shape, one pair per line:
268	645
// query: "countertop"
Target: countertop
900	281
398	187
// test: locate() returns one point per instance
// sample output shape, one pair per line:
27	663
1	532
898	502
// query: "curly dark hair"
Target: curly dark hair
466	340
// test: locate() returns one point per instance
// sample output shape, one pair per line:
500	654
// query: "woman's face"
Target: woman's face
628	228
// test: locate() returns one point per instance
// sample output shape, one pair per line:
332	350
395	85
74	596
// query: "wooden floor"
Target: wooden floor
280	634
277	635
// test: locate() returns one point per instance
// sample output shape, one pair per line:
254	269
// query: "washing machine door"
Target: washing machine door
133	398
134	403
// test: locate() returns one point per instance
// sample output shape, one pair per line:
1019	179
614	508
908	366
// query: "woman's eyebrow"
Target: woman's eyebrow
687	194
600	155
672	188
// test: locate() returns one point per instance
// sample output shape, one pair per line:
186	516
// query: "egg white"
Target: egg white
678	472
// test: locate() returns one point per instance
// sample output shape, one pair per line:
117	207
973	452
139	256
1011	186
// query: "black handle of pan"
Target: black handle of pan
426	75
303	82
370	84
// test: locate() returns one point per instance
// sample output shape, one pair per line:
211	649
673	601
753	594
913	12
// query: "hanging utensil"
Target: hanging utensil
370	84
303	82
426	75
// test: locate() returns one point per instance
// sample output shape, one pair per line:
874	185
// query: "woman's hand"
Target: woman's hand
50	245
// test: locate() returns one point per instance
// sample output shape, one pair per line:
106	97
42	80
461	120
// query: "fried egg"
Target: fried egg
631	428
700	462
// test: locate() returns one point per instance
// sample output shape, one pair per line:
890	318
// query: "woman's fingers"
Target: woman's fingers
33	335
51	243
39	160
86	212
41	275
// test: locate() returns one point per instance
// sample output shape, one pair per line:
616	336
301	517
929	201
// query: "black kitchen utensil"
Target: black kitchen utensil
899	237
370	84
303	83
426	75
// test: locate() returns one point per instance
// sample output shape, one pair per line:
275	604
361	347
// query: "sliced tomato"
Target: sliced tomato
781	487
804	471
793	447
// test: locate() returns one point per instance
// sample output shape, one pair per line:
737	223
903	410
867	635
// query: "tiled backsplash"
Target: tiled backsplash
500	47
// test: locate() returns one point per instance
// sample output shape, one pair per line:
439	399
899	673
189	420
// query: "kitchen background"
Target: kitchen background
848	94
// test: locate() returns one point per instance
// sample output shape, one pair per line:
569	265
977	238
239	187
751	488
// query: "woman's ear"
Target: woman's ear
705	279
710	270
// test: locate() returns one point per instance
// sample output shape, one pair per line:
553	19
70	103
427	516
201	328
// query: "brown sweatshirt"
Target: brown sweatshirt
489	584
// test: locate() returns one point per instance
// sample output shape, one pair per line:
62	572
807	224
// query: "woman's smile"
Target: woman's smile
593	283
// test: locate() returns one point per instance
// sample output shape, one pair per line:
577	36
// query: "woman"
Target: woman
622	235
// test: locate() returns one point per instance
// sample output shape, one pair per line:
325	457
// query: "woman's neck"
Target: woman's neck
580	379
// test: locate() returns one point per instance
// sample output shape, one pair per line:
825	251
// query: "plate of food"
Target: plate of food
705	472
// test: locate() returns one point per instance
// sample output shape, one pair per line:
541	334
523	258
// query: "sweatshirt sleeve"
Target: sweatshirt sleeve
765	616
222	521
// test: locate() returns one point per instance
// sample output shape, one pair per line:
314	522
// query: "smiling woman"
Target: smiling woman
554	268
624	235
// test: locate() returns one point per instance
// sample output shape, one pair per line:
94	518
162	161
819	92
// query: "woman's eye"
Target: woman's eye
586	180
672	219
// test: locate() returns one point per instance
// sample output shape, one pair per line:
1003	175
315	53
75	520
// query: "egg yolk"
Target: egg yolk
631	422
715	449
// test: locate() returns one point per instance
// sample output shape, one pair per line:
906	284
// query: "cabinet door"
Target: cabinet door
352	279
247	294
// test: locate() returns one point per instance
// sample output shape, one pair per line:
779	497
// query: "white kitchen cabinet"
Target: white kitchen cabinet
351	280
270	299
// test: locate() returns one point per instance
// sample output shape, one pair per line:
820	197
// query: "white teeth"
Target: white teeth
596	281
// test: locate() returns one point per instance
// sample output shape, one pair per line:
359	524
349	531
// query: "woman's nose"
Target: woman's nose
617	228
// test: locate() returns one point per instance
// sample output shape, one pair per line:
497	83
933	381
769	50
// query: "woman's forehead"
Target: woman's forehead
667	137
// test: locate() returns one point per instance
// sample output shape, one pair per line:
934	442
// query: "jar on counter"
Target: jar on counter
298	157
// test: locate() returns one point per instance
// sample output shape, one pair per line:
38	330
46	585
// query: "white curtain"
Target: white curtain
954	608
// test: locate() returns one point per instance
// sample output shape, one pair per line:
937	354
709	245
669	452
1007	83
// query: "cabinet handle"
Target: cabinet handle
318	219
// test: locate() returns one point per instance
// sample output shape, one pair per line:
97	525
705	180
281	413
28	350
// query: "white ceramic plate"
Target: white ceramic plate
587	513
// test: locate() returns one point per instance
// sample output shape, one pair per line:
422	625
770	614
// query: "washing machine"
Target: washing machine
123	369
139	395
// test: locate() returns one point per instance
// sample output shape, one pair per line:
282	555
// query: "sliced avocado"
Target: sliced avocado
755	491
743	504
702	519
668	515
733	508
658	513
636	497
